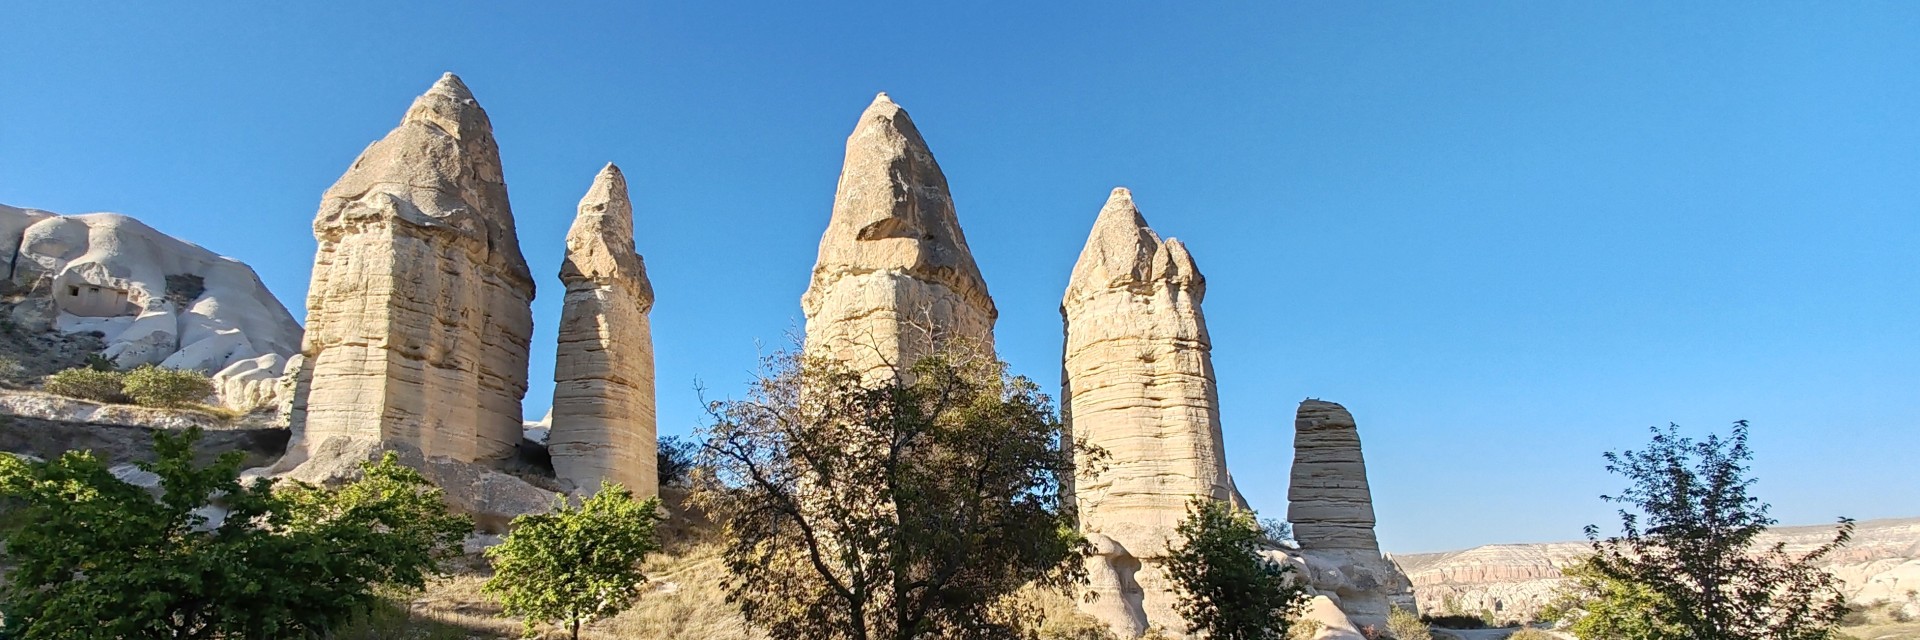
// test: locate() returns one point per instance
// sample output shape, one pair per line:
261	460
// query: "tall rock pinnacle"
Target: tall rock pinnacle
894	280
603	395
1331	508
419	311
1139	384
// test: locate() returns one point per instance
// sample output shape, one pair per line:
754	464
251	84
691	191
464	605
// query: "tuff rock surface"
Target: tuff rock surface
153	298
1331	508
418	315
1514	581
894	280
1138	384
602	425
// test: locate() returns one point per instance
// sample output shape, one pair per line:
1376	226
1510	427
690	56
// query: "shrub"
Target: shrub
676	459
90	556
1404	625
1531	634
575	565
88	384
152	386
1227	588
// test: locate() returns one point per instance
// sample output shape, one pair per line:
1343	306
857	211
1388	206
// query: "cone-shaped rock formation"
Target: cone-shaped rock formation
419	314
603	394
1331	509
894	280
1139	384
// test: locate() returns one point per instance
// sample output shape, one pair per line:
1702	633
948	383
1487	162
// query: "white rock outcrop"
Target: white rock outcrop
602	425
1138	384
1331	508
154	298
418	317
894	280
1514	581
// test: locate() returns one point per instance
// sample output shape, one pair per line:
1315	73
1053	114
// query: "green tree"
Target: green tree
1687	551
573	565
210	557
860	510
1228	590
1597	607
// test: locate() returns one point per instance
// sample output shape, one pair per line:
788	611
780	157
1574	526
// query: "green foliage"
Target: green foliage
676	458
152	386
1531	634
573	565
891	509
96	558
1597	607
98	362
1405	625
1227	589
87	383
1686	556
1453	619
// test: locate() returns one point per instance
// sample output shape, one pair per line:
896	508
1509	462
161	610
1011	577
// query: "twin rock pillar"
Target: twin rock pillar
419	315
1138	383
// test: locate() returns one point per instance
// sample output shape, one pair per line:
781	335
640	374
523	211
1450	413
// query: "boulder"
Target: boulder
895	280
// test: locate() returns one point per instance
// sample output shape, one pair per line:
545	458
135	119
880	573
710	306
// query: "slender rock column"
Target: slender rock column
1331	508
1139	384
419	311
894	280
603	395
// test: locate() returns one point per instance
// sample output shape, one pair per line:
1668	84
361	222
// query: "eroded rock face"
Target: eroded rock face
1515	581
418	315
894	280
602	425
1139	385
153	298
1331	508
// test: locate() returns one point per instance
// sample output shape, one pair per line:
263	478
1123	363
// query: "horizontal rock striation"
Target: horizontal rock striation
1331	508
602	426
1138	384
419	311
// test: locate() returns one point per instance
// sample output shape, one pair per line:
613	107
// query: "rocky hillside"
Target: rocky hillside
1512	581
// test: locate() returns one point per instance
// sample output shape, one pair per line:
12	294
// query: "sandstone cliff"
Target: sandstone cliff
1513	581
1138	383
894	280
602	425
418	315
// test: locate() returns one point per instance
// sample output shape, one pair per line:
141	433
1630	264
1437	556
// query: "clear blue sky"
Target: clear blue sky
1507	235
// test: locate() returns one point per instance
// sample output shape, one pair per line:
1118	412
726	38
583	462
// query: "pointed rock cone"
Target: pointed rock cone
1331	509
603	395
419	310
894	280
1139	384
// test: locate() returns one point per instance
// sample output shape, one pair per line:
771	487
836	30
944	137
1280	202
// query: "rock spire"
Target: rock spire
603	396
1139	384
418	314
894	280
1331	508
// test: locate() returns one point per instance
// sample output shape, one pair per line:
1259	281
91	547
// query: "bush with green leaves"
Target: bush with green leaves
1227	588
87	383
92	557
1406	625
152	386
1687	557
574	565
